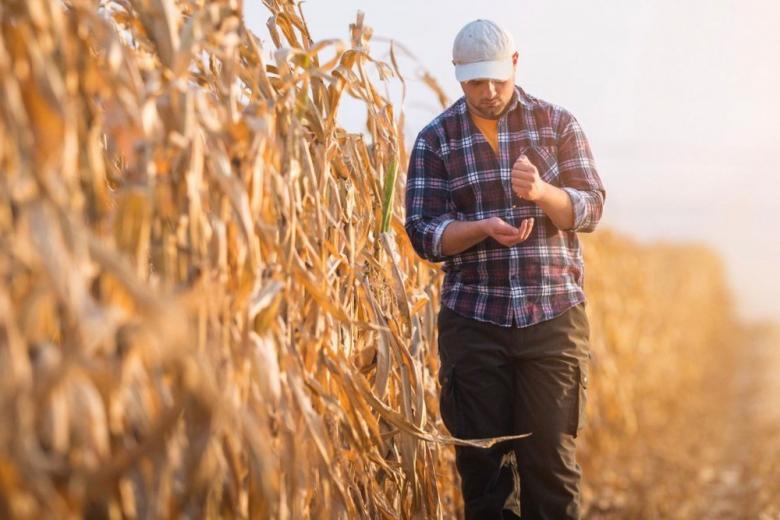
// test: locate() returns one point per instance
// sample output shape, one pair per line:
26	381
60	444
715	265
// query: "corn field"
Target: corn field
209	307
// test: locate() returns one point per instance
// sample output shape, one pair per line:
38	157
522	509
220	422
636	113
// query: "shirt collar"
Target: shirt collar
519	97
524	99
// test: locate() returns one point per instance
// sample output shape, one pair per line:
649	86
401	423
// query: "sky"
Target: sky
679	100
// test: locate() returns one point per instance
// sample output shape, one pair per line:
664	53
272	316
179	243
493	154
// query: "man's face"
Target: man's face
488	97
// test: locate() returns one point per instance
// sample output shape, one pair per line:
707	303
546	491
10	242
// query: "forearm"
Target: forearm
557	205
460	235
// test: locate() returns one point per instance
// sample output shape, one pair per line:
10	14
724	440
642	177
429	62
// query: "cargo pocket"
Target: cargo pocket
583	369
447	399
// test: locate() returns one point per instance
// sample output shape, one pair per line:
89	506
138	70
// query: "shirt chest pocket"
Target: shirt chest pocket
481	186
545	158
477	184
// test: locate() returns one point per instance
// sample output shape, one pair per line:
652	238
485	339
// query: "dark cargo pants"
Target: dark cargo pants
508	380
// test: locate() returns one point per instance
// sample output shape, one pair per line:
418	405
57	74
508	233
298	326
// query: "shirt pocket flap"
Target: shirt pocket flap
545	158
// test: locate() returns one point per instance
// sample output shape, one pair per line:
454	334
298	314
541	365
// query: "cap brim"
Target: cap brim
501	70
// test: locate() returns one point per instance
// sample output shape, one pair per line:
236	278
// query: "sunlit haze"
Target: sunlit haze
679	100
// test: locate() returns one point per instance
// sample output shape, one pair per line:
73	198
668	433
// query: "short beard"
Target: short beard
484	115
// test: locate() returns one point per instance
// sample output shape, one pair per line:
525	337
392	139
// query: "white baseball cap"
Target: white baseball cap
483	50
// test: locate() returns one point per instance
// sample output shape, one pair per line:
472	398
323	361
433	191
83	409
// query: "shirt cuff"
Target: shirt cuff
437	233
579	205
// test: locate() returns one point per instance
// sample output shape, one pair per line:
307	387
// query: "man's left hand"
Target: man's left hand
526	182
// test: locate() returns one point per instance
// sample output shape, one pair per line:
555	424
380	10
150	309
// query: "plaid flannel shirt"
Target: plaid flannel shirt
454	174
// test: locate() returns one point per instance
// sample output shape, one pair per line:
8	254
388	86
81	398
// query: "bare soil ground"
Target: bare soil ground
721	460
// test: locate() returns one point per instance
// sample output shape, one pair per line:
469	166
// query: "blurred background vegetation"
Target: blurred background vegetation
209	306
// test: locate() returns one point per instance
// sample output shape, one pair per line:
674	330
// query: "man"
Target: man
498	186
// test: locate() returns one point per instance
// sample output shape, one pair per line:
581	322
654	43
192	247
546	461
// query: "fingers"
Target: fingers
519	234
522	159
523	164
530	222
521	184
525	228
504	228
524	174
506	234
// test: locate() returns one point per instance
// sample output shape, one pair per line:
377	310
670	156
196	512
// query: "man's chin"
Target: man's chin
487	111
490	112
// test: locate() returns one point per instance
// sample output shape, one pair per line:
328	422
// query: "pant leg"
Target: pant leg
476	402
551	380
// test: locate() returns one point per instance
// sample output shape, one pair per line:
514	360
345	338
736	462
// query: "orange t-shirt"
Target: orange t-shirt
489	128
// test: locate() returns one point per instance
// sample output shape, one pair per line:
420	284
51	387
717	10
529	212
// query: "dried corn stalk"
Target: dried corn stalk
208	304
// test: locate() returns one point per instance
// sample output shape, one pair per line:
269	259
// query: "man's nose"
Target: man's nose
491	88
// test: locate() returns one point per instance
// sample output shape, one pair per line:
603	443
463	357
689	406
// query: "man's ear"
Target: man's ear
515	56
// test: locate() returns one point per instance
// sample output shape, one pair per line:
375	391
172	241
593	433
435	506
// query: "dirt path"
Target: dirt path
747	482
719	460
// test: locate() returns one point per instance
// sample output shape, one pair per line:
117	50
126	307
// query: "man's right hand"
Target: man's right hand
460	235
505	233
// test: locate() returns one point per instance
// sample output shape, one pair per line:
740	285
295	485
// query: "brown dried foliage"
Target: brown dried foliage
205	309
208	303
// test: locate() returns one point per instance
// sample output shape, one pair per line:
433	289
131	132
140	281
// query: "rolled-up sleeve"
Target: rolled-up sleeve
428	205
579	177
